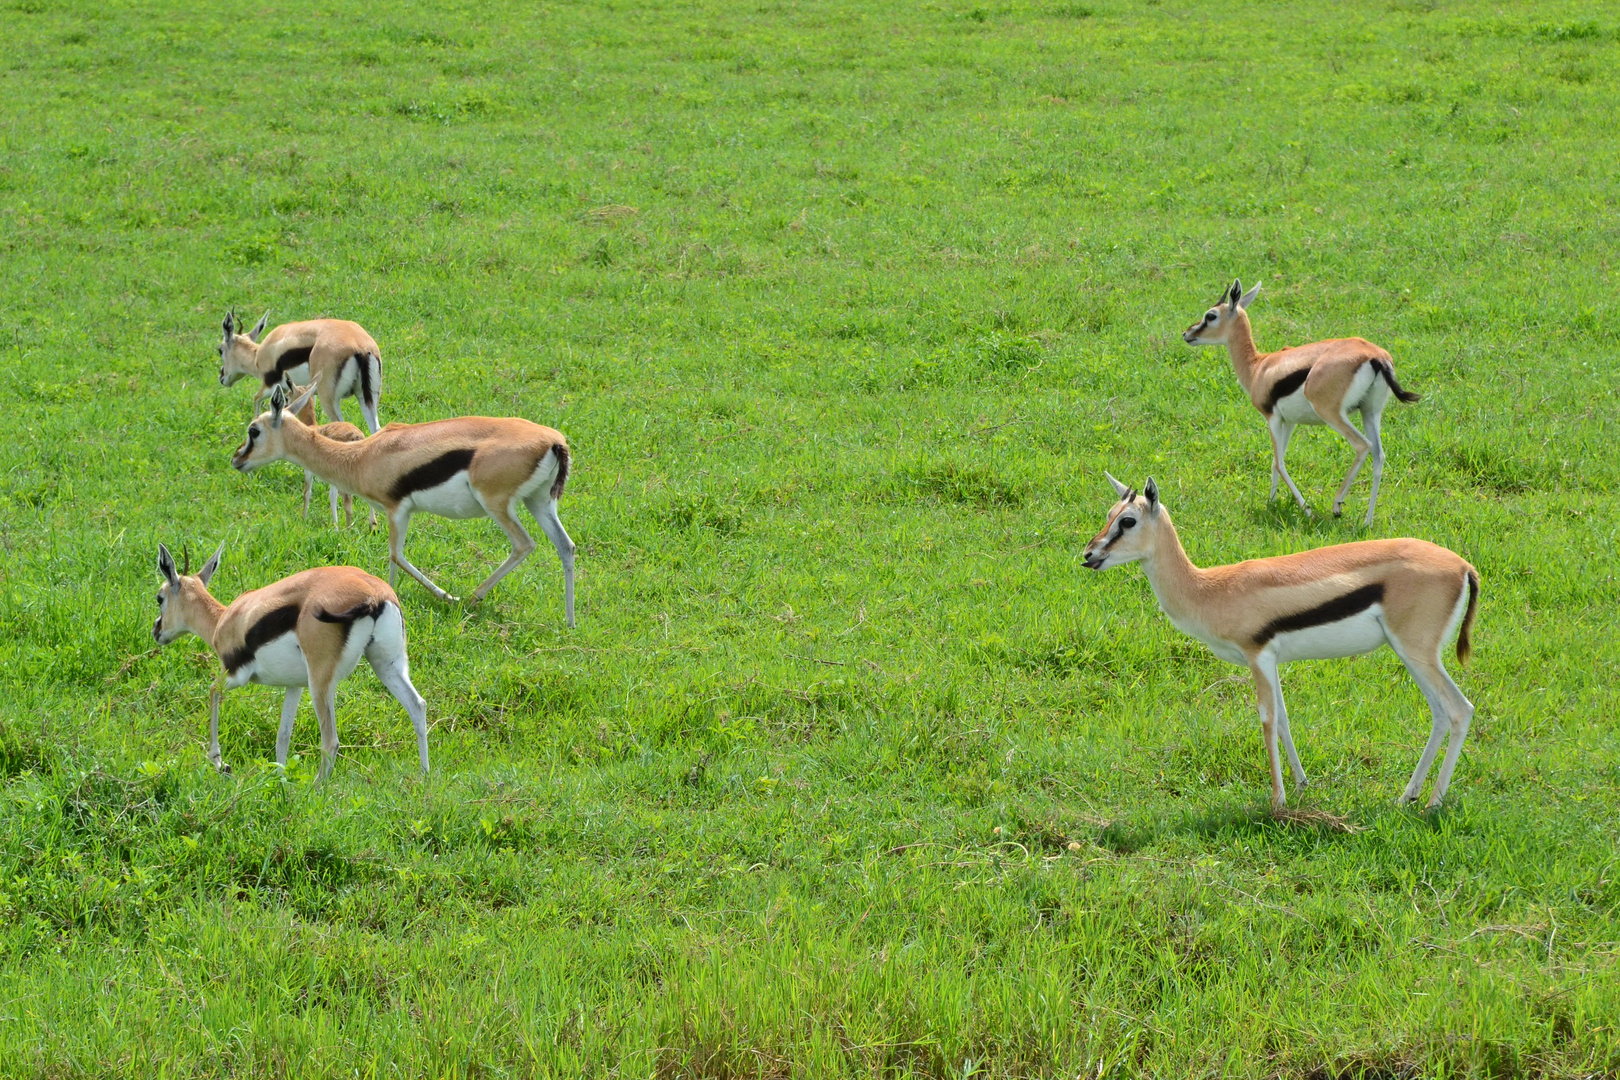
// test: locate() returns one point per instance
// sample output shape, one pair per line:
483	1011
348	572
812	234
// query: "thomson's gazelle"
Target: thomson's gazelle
1319	383
1335	601
337	357
472	466
303	407
306	630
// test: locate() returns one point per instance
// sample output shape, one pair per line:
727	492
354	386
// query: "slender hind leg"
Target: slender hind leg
309	489
1360	444
1281	432
1372	420
1449	711
387	655
289	712
544	509
522	545
323	696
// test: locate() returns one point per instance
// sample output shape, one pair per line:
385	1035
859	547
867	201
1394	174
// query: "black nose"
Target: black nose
1092	562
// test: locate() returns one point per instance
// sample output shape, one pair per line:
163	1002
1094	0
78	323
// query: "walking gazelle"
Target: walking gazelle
309	629
472	466
1335	601
335	356
1319	383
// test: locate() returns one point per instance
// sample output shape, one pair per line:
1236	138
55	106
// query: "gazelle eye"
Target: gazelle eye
1126	523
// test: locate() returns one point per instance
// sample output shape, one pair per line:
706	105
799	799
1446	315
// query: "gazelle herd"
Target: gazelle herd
310	629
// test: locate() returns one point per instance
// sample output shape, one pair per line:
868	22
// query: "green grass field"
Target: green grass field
850	768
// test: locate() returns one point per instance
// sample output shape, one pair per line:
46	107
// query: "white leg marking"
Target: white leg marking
332	497
544	509
213	730
309	489
289	712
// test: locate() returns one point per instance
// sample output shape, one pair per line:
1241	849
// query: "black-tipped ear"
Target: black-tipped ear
1235	292
229	325
1150	492
253	335
166	566
211	565
278	402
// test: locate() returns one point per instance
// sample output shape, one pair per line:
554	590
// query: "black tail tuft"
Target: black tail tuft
557	485
362	370
1389	376
1465	644
366	609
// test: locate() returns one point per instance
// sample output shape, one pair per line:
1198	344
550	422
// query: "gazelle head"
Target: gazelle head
1132	529
237	350
179	596
1216	324
265	440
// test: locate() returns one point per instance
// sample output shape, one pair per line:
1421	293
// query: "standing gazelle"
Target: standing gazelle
309	629
339	358
472	466
1335	601
1319	383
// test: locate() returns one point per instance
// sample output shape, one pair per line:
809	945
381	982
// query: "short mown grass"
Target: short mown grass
849	768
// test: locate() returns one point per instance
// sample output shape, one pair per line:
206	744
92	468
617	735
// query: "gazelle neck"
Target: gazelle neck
1240	347
204	613
1174	578
328	459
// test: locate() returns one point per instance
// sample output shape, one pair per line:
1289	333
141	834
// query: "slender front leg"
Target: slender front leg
1268	666
1281	432
399	522
332	497
213	724
289	711
309	489
1268	728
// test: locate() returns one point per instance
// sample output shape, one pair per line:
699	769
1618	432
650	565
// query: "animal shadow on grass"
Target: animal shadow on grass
1123	838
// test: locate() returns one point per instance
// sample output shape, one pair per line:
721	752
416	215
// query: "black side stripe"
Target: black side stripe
271	625
1285	386
431	474
1351	603
366	609
286	362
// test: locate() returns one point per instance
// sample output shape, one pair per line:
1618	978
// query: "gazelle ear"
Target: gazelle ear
1150	492
1119	488
278	401
296	405
253	335
166	566
229	324
1247	298
1234	293
211	565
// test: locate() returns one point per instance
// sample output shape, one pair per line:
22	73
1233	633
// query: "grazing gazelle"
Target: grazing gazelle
306	630
337	357
303	407
1319	383
472	466
1335	601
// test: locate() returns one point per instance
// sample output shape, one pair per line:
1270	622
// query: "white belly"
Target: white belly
1296	409
1360	633
277	663
299	375
452	499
